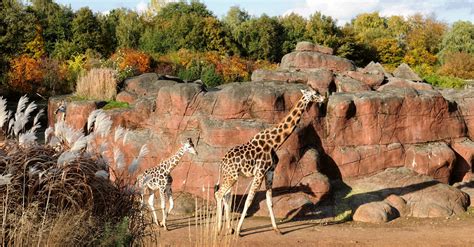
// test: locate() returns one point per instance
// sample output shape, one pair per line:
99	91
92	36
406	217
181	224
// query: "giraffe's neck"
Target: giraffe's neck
173	161
277	135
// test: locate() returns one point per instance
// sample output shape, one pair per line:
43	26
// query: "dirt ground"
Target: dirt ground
454	231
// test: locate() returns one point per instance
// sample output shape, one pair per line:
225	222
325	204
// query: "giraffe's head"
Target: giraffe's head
310	95
189	146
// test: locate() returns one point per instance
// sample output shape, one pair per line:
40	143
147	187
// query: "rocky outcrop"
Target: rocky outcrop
365	128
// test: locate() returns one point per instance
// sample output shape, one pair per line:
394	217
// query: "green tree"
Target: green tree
177	25
17	28
294	27
459	38
323	30
260	38
86	30
129	29
355	50
108	27
55	21
369	27
234	17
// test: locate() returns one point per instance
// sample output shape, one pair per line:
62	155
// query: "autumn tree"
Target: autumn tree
423	39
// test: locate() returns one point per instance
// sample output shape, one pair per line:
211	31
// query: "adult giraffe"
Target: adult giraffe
257	158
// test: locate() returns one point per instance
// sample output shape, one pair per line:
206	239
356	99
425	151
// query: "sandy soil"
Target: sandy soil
455	231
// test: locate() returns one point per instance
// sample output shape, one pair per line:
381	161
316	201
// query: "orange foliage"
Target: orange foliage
230	68
25	73
129	58
458	64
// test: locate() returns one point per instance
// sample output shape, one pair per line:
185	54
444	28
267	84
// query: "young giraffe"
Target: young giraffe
159	178
257	158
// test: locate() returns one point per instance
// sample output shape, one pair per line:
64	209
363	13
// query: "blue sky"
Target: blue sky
343	10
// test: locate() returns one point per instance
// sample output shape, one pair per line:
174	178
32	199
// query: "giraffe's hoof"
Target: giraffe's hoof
166	228
278	232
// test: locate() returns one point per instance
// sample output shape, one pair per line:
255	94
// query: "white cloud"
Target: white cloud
345	10
142	6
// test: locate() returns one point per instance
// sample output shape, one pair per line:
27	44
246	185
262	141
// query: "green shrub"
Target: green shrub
115	104
117	235
192	72
444	81
209	76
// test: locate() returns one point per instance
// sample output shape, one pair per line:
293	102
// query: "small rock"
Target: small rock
375	212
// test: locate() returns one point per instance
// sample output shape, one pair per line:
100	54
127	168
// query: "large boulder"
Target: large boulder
405	72
371	80
318	79
376	68
463	102
311	60
394	82
435	159
375	212
464	149
346	85
308	46
424	196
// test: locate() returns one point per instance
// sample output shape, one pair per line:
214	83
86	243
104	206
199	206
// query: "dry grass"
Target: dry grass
60	193
50	204
98	84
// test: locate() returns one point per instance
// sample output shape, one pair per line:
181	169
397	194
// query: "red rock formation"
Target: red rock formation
355	134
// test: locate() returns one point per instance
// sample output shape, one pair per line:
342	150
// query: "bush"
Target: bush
458	64
192	72
97	84
129	62
209	76
444	81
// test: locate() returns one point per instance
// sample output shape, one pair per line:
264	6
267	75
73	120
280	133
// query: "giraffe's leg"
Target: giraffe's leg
227	209
268	186
223	190
163	208
170	198
151	204
257	181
